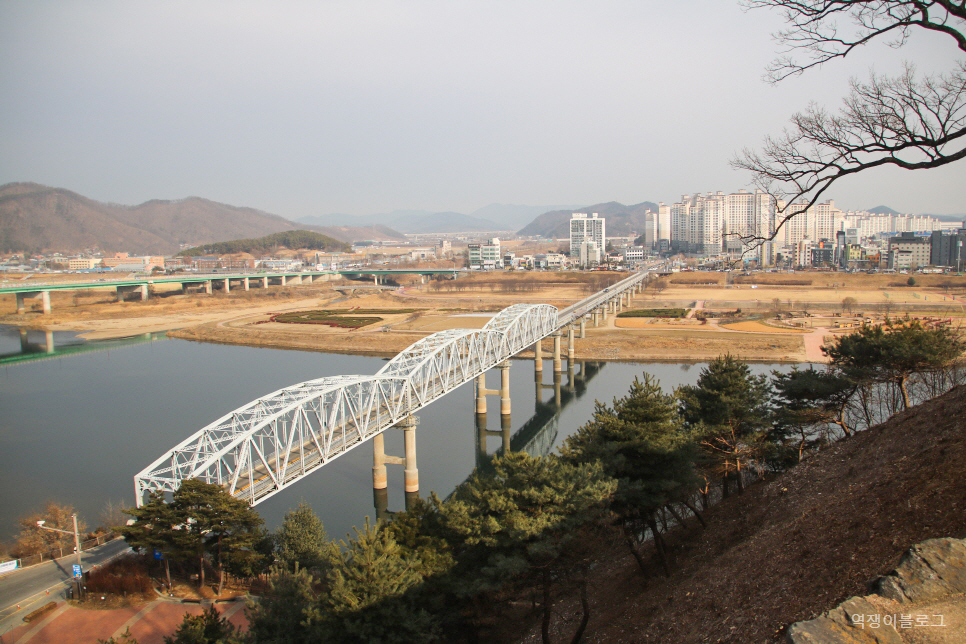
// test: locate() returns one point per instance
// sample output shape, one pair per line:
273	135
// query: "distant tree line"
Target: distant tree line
291	239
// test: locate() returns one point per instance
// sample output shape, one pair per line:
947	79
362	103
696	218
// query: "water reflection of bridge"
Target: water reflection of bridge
538	435
32	350
263	447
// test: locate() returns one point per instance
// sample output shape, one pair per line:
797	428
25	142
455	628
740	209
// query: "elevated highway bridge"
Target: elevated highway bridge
263	447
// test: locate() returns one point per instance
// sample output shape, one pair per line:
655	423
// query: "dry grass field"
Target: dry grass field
241	317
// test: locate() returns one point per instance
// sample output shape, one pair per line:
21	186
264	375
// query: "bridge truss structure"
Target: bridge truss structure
267	445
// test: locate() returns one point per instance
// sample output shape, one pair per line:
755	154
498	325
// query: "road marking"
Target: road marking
134	620
39	627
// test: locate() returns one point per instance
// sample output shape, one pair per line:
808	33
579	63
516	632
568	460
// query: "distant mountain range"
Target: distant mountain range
492	218
38	218
621	220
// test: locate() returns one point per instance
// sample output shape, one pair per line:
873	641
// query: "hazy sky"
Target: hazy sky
303	108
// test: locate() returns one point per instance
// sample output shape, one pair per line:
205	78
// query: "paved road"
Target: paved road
33	587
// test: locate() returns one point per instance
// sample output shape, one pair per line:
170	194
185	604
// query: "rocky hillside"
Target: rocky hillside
791	548
38	218
621	220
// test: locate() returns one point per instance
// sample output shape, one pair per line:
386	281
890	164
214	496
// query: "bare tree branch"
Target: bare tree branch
909	122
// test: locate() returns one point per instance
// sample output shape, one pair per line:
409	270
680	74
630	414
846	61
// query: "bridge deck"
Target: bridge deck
265	446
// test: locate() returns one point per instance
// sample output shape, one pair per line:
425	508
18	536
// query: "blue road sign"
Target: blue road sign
78	571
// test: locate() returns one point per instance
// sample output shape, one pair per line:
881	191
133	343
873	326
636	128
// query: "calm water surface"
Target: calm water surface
75	429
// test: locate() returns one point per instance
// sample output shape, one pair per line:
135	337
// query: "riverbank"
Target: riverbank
246	317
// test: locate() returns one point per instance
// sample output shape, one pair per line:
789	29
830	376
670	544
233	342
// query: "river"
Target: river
76	427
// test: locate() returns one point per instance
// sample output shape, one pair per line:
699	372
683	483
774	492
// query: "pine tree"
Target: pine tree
519	518
301	541
640	441
367	594
287	613
728	412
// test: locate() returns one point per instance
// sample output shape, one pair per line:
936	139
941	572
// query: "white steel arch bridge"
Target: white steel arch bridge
267	445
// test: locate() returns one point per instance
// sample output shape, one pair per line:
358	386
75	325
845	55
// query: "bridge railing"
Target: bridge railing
266	445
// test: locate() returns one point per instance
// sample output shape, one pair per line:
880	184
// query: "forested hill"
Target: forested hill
621	220
291	239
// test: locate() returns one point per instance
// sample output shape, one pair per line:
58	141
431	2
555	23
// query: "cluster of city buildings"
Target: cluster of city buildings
743	225
716	227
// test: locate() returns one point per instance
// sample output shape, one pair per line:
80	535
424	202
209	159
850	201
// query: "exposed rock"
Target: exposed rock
930	572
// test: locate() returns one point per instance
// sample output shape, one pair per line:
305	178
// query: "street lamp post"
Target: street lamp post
77	548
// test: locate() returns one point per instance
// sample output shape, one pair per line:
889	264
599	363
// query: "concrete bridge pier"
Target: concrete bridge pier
284	280
504	391
208	287
583	328
245	283
408	425
227	287
264	282
557	363
380	459
44	300
570	346
538	359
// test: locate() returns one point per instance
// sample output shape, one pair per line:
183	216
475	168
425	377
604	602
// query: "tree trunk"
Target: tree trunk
167	571
545	624
221	570
741	485
201	567
677	517
659	545
634	551
905	392
694	511
725	492
585	606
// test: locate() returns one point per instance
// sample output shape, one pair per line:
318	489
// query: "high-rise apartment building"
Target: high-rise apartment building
583	229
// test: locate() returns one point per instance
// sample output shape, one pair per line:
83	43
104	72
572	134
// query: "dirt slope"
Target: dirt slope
793	547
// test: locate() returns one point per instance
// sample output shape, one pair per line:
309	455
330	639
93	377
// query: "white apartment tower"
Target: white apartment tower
584	228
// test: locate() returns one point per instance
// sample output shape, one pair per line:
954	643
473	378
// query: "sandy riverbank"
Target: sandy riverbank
245	317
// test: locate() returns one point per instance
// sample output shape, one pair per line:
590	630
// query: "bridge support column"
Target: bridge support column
264	282
227	287
537	358
570	346
284	280
245	283
482	392
21	307
379	479
557	363
45	301
408	425
583	328
505	389
144	293
375	280
208	287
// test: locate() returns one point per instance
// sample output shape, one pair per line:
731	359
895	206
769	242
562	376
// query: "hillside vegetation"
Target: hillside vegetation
621	220
293	240
36	218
